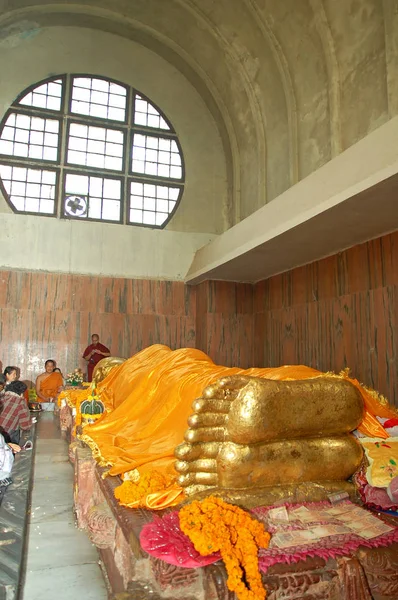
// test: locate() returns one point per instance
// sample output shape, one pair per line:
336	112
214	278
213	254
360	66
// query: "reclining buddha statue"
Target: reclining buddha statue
254	436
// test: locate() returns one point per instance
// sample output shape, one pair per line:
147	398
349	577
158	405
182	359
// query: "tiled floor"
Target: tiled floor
61	562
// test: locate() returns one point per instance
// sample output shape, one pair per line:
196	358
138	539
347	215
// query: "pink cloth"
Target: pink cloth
373	497
392	491
164	539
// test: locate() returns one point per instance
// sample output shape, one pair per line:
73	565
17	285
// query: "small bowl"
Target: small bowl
34	406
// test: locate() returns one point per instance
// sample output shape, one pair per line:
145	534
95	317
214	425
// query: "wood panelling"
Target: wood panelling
335	313
47	315
224	322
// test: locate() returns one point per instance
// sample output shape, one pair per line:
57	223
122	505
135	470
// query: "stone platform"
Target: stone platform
134	575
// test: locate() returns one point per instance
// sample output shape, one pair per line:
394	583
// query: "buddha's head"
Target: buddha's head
104	367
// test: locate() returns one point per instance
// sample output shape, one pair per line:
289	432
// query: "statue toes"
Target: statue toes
196	420
207	405
213	391
190	452
234	383
205	465
205	434
201	478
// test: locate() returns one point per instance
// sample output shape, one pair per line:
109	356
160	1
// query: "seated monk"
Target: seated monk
281	428
49	383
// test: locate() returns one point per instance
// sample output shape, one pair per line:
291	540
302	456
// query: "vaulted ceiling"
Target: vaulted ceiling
290	83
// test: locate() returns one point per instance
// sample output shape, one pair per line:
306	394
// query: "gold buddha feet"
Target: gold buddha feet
248	433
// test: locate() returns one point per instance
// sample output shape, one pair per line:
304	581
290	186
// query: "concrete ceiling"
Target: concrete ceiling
352	199
291	85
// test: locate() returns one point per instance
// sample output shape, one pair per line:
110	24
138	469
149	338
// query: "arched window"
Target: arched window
87	147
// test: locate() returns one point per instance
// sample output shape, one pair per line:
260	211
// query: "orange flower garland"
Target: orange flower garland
133	494
213	525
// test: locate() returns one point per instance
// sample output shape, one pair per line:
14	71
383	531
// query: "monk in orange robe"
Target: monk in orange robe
49	383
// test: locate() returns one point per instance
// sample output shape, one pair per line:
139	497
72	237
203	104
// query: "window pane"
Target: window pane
92	197
28	138
98	98
86	146
28	189
157	202
112	188
94	209
136	216
155	156
161	218
111	210
149	218
47	95
146	114
77	184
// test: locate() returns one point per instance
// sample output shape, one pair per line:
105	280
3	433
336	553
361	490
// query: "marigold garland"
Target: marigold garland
213	525
133	493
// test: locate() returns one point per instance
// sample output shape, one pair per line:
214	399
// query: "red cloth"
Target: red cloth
95	357
14	412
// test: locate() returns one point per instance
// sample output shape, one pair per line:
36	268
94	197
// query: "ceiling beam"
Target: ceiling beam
351	199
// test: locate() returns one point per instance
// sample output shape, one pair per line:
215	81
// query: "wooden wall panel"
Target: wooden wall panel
224	322
49	315
335	313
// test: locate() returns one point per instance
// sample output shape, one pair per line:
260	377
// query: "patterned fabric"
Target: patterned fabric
6	482
164	539
383	460
14	412
372	497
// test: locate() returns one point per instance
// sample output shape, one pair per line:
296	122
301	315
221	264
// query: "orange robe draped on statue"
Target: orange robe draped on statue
50	385
149	399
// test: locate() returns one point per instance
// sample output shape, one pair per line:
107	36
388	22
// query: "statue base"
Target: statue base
133	574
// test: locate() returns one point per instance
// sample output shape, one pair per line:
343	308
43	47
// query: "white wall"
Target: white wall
46	243
66	246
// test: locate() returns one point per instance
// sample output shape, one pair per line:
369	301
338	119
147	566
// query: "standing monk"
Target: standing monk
93	354
49	383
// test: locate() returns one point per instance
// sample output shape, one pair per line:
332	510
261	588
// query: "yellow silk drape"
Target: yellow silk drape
149	398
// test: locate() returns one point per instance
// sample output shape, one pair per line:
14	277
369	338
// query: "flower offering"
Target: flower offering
75	377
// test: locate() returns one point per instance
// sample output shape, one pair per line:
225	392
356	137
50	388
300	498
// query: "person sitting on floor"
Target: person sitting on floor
48	385
14	414
10	374
7	452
